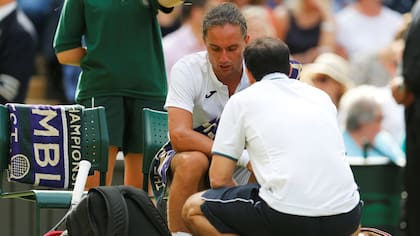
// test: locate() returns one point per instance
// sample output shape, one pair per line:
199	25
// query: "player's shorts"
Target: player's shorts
160	173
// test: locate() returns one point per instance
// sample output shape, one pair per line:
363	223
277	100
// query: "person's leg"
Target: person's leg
133	138
93	180
133	175
115	122
230	211
196	221
112	157
189	176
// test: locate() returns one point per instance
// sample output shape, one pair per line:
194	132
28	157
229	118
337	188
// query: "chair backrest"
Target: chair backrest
92	135
381	187
96	140
155	128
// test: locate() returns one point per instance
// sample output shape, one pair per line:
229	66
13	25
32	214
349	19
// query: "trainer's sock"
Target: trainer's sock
181	234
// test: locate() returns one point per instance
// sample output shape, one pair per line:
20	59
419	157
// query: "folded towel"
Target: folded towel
45	144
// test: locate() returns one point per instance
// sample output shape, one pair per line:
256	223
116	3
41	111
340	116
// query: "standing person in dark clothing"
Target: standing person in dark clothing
407	92
17	52
122	69
44	16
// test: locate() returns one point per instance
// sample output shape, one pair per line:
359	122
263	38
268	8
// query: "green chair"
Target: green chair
93	147
381	186
155	128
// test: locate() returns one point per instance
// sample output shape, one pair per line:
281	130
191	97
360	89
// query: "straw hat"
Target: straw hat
332	65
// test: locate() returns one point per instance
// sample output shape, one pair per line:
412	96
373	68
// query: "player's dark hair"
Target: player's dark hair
222	14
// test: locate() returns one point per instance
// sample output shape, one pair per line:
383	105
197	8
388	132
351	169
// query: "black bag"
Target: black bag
116	211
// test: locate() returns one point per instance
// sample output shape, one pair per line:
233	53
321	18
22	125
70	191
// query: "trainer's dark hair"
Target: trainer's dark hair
222	14
267	55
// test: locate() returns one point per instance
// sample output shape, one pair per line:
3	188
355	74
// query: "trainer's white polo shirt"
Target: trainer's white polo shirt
291	132
194	87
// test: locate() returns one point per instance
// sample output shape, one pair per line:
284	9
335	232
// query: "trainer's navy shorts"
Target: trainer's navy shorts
240	210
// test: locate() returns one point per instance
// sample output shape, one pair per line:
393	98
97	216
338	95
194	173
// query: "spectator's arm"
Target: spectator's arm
71	56
327	36
282	21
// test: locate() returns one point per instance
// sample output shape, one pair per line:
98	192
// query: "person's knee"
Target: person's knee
189	166
192	207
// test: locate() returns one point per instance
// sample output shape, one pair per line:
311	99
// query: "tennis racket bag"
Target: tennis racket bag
116	211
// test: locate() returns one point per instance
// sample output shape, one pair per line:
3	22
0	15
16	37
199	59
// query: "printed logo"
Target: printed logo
210	93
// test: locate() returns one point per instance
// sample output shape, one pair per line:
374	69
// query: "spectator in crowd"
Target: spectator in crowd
18	42
363	133
122	69
274	119
200	85
330	73
365	26
259	21
308	27
406	91
273	3
44	15
402	6
259	15
340	4
243	3
378	68
393	112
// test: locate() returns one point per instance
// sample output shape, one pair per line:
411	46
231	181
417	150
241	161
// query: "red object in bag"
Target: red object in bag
53	233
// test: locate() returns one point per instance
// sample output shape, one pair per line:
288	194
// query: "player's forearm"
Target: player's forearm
191	141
